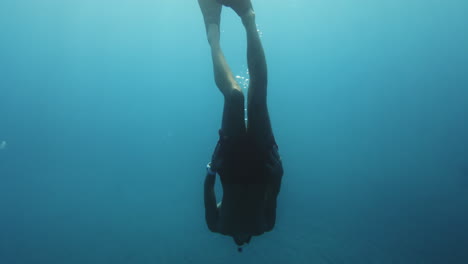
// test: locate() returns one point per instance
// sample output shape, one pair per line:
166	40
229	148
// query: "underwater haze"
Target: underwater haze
109	113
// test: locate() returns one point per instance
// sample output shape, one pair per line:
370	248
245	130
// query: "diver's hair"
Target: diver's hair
241	240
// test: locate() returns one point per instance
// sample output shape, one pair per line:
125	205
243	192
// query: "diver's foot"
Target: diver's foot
211	11
241	7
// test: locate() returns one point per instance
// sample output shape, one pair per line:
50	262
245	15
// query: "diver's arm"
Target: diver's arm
270	206
211	210
275	167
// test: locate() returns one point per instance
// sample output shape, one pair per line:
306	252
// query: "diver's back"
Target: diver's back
243	209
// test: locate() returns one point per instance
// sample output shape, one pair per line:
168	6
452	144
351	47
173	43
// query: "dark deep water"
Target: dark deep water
109	113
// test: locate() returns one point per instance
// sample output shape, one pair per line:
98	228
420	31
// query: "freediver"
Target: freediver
246	156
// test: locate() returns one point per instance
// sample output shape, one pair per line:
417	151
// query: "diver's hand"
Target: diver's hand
215	164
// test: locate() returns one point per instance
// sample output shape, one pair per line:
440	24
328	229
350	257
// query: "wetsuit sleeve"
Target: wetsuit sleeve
211	210
271	203
273	190
270	208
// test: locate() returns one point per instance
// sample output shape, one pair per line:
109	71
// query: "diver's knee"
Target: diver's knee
236	97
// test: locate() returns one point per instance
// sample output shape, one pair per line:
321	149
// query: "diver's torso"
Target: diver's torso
243	209
244	178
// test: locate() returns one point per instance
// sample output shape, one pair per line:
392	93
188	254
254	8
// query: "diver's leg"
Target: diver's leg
259	124
223	76
233	117
233	124
255	60
211	12
255	54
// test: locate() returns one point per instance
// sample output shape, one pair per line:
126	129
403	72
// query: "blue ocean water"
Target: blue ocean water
109	113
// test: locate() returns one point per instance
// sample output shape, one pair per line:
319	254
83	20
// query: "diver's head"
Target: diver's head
242	239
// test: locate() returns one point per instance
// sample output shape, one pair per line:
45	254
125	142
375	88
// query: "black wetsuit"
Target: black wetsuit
247	185
242	157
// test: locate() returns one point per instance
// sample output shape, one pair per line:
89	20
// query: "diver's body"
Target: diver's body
246	156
